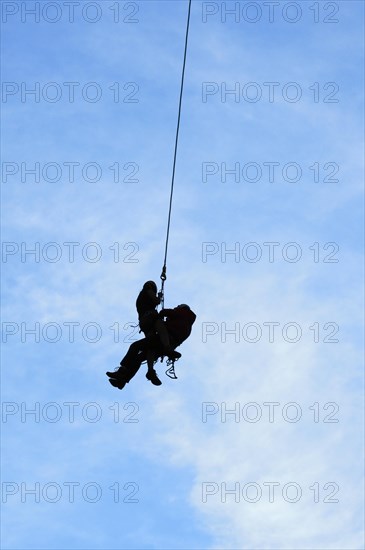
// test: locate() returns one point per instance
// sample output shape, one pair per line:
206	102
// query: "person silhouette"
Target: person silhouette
151	322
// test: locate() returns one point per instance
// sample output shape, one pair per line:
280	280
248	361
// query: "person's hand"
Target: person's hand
160	295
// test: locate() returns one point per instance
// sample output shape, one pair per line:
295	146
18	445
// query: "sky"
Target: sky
259	442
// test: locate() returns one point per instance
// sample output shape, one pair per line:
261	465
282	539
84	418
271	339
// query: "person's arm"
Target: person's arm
152	296
165	312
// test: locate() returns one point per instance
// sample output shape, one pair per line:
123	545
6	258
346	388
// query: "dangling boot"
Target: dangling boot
152	376
172	354
118	378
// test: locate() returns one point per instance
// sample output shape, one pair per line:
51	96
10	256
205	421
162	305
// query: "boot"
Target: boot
117	383
172	354
119	374
152	376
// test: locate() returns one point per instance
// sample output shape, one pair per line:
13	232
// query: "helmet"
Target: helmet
184	305
150	285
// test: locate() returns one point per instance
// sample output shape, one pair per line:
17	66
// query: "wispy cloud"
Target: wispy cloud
171	453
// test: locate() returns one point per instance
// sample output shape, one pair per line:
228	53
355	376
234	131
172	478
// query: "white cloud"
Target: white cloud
170	434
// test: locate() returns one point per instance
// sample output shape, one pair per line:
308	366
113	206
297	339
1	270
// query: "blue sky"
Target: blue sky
157	449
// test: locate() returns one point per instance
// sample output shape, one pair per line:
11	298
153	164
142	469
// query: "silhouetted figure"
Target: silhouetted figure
150	322
178	324
146	304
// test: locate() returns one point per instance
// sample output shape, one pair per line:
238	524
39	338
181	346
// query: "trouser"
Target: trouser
137	353
134	350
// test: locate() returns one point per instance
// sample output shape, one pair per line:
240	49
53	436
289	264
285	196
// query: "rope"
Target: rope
163	274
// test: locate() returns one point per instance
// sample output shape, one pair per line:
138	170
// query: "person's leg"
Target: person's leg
150	345
152	350
125	374
151	373
132	352
150	360
131	362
